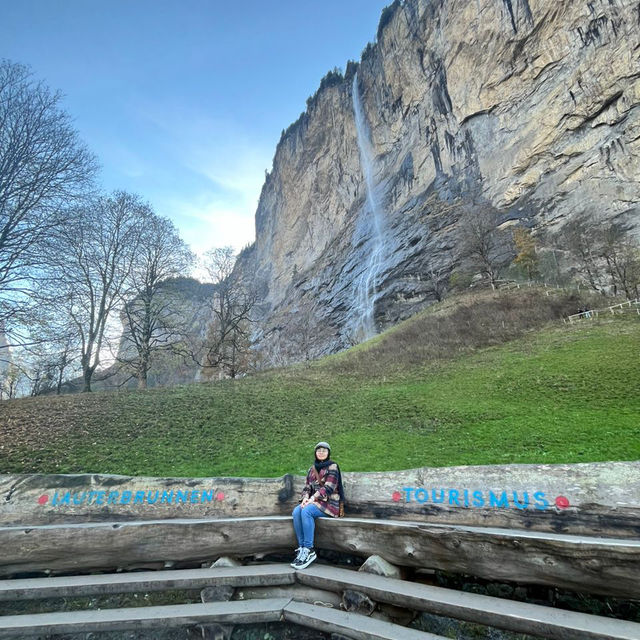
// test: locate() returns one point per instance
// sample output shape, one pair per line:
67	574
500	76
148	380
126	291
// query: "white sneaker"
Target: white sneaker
298	552
306	557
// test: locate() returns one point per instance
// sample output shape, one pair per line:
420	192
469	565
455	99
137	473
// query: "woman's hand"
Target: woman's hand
310	500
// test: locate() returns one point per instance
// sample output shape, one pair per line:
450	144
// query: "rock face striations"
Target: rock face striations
531	107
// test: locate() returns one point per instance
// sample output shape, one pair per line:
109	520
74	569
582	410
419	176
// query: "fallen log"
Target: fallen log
351	625
86	547
605	566
598	565
593	499
69	498
144	582
137	618
511	615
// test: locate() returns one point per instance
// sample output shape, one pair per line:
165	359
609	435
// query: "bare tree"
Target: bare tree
94	257
436	277
303	335
622	258
10	381
606	256
53	350
580	238
485	248
228	339
154	318
63	358
43	167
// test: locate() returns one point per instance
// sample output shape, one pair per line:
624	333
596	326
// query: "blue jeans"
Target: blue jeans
304	523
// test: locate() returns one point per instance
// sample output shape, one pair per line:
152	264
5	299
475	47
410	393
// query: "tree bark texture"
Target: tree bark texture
584	499
597	565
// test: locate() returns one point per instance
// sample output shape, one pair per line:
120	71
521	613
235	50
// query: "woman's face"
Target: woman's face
322	453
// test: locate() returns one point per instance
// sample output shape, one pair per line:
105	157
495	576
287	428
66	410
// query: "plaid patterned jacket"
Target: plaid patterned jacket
325	492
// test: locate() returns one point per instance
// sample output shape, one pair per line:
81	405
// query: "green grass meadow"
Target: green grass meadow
568	393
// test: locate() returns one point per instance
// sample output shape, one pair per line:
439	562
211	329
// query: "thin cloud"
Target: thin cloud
230	167
207	222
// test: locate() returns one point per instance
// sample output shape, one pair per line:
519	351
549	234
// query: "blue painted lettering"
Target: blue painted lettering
541	502
191	496
521	505
408	491
503	501
437	500
466	497
453	496
421	495
207	496
478	499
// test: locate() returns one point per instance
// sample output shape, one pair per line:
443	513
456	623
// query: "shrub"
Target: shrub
472	321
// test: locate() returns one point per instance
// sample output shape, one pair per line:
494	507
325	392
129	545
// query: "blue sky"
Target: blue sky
184	102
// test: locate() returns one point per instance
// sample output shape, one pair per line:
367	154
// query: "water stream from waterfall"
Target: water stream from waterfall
370	228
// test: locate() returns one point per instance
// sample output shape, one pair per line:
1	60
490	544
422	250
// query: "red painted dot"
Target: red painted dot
397	496
562	502
220	496
43	499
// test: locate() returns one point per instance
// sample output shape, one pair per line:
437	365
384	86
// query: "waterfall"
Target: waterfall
369	231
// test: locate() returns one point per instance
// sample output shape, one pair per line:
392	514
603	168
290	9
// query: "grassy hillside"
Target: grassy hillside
468	382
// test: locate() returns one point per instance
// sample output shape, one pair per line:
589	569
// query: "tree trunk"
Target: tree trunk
87	374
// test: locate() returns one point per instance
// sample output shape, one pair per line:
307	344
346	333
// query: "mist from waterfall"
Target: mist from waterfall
370	228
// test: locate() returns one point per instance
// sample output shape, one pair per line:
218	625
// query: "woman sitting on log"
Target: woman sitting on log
321	498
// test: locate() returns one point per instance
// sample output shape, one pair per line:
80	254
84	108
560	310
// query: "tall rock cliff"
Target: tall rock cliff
529	106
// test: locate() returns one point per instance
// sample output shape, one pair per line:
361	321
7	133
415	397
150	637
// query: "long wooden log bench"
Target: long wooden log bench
601	498
137	618
515	616
509	615
257	575
606	566
575	527
352	625
356	626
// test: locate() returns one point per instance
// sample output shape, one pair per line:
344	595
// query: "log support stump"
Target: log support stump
378	566
214	631
357	602
220	593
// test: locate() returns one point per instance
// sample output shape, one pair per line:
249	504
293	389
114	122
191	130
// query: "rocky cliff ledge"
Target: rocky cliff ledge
530	106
